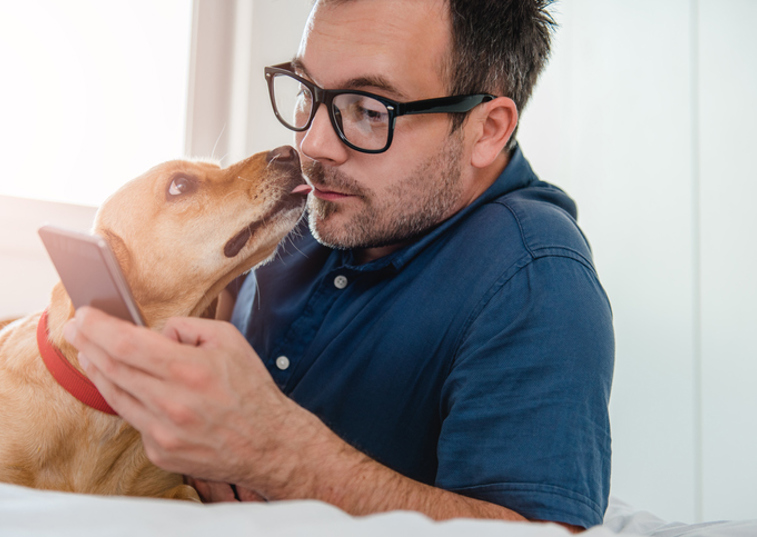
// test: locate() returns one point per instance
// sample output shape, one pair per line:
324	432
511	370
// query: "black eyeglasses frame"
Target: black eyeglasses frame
451	104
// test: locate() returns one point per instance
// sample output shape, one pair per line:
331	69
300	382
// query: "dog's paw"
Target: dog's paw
183	492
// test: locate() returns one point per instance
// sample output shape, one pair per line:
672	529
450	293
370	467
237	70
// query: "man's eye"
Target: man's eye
181	185
374	115
368	110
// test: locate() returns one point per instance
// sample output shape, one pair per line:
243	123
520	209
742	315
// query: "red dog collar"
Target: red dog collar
72	380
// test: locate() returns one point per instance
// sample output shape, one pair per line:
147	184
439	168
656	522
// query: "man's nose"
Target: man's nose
321	142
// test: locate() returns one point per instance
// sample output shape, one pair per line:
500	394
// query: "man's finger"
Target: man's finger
194	331
249	495
134	392
129	407
106	340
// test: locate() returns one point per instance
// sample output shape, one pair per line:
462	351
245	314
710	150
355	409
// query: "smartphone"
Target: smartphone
90	272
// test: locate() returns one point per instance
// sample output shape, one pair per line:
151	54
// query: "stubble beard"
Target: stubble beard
411	207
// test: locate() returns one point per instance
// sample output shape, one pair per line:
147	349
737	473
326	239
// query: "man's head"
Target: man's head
497	46
403	50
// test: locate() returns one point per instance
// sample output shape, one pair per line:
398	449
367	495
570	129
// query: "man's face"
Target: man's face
393	48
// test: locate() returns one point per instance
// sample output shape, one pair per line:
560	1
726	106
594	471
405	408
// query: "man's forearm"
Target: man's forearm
369	487
322	466
332	471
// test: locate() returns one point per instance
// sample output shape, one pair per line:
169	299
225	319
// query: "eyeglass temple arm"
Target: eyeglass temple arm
459	103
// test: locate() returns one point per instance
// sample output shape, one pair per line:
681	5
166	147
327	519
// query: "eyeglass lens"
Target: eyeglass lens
362	120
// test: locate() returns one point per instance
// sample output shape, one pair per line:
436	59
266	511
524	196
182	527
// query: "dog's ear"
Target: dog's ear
120	250
60	310
60	302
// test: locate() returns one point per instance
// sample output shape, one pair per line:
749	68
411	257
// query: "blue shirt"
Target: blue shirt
478	359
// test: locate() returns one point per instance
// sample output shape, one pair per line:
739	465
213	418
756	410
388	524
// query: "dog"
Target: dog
181	233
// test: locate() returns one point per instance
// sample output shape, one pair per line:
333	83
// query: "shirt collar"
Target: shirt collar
517	174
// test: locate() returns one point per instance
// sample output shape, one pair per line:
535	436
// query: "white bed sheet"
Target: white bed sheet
624	519
27	512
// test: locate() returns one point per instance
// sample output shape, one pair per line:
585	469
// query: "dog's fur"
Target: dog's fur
178	251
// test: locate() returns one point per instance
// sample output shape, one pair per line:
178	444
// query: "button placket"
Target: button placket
286	370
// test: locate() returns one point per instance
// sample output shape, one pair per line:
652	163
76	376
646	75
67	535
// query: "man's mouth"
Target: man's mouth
322	193
330	195
330	185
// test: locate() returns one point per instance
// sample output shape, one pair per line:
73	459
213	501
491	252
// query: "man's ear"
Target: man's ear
496	122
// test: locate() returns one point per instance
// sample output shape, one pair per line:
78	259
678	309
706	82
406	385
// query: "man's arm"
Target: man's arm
206	406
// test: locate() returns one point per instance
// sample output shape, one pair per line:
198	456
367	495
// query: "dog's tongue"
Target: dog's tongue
302	189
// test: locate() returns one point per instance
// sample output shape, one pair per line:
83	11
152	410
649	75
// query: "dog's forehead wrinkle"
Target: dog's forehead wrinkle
109	235
199	171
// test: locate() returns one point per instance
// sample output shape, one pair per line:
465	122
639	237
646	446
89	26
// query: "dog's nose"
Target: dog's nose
285	155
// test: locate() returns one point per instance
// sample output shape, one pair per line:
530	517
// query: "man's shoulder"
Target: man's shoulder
534	221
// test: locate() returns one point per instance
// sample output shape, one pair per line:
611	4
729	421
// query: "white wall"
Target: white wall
230	113
26	273
646	117
727	82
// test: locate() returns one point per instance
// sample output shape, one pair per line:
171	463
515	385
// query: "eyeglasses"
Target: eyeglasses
362	120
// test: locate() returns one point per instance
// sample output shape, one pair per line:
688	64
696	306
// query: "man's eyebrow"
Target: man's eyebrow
298	67
374	82
361	82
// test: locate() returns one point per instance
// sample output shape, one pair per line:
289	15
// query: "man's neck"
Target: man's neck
366	255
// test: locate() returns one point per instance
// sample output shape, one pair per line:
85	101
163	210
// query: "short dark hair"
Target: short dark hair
499	47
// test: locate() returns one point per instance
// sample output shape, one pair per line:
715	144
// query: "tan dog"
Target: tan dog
181	232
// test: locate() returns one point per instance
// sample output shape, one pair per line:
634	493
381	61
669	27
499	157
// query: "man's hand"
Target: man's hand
199	394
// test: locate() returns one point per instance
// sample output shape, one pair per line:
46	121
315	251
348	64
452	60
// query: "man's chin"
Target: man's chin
335	228
324	234
340	238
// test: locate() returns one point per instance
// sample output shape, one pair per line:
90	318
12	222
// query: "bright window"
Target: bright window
94	93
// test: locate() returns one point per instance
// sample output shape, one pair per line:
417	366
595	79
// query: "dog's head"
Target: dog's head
184	230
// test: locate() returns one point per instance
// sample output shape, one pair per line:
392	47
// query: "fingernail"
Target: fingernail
69	331
83	362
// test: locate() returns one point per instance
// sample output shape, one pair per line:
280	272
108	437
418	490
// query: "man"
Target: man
445	345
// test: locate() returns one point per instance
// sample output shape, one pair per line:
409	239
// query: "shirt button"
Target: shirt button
282	362
340	282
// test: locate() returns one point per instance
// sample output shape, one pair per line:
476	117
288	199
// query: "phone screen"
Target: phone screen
90	272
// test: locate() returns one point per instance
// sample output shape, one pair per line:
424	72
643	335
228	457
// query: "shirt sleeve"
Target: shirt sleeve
525	405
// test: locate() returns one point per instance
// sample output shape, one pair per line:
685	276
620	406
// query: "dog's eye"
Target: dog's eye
181	185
